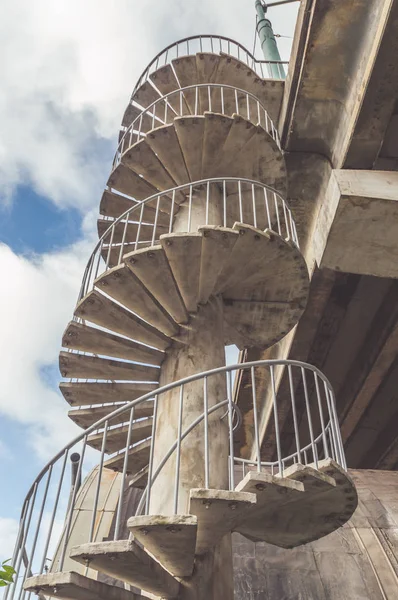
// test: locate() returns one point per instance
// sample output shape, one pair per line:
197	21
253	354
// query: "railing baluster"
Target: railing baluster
173	199
231	431
267	208
318	395
207	201
99	478
139	226
72	506
155	224
276	420
240	201
178	450
206	430
255	417
54	512
277	214
309	418
254	206
124	473
224	195
123	238
295	422
190	207
151	455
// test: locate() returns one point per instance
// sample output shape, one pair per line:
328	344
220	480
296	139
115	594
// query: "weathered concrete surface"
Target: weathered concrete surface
357	562
357	224
72	586
127	561
171	540
218	513
290	514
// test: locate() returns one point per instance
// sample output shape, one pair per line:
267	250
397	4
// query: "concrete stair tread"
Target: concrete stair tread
140	479
101	310
216	131
138	458
126	181
206	67
141	159
82	366
166	82
117	437
85	417
127	234
127	561
73	586
218	513
321	506
96	341
131	113
151	266
217	245
121	284
114	205
145	95
170	539
190	132
183	252
164	142
88	393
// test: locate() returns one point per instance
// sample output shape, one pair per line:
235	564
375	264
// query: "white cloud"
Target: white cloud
67	69
41	293
8	534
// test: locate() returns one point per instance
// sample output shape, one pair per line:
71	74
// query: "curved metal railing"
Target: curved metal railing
215	44
301	422
232	199
195	100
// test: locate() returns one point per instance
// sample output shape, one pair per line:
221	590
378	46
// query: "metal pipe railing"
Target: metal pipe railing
316	436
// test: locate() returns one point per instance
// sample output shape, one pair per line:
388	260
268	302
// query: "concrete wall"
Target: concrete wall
357	562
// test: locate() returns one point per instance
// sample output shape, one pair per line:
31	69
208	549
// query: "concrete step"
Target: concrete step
96	341
207	64
73	586
127	561
116	438
141	159
217	245
183	252
82	366
87	393
171	540
145	95
126	181
140	479
232	71
97	308
131	113
239	135
151	266
185	69
138	458
190	132
84	417
128	233
114	205
122	285
218	513
164	142
326	500
216	130
165	81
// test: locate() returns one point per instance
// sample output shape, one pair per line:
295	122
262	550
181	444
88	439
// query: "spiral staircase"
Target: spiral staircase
193	220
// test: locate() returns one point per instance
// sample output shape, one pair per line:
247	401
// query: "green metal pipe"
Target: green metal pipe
268	42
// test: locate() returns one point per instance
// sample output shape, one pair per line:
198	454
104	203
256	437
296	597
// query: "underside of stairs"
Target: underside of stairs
303	505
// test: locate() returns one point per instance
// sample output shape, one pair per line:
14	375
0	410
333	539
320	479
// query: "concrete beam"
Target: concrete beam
357	224
331	73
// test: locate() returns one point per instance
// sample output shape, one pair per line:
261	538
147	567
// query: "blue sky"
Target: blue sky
72	68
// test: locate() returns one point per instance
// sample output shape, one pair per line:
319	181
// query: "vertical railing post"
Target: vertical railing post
124	473
178	450
151	455
255	417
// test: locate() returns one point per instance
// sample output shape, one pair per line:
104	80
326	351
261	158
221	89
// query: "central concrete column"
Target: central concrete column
200	347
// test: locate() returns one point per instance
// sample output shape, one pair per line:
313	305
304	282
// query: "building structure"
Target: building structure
199	248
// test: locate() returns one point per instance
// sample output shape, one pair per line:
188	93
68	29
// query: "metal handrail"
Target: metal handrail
326	443
216	44
214	99
253	203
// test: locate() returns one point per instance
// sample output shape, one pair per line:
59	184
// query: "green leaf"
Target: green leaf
9	569
6	576
2	583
